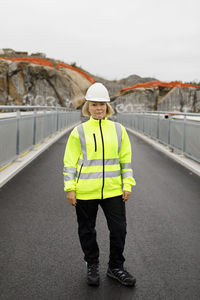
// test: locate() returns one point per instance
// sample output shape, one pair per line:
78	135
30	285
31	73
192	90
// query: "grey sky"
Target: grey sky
109	38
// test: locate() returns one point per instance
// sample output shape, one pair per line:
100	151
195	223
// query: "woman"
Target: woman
97	171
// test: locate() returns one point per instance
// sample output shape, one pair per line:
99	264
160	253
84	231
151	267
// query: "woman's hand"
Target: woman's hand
71	198
125	195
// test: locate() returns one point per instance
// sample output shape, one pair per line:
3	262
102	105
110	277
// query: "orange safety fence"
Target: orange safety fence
38	61
87	76
45	62
158	83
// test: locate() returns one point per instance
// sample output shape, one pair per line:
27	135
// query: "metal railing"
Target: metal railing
180	131
29	126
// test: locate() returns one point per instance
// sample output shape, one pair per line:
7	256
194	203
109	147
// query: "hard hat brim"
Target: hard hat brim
97	99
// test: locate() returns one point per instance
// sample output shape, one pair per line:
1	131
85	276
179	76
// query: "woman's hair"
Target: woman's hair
86	113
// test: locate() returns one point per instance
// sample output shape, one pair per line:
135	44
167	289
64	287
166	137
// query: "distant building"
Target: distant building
38	54
21	53
8	52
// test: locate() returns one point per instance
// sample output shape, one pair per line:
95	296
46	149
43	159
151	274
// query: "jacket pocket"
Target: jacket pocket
95	142
79	173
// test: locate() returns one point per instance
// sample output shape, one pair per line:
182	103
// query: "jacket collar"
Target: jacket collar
97	122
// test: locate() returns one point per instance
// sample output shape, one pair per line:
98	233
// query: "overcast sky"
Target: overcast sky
109	38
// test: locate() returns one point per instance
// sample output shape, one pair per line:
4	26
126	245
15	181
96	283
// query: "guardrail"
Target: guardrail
21	131
179	131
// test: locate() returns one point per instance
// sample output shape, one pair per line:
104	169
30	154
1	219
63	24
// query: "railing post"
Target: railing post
56	119
69	117
143	122
34	126
18	129
184	133
45	124
169	131
158	125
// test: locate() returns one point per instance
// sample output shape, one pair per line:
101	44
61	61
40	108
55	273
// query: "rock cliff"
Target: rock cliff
160	96
37	80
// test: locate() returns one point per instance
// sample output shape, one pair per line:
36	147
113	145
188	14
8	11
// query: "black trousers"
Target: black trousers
114	211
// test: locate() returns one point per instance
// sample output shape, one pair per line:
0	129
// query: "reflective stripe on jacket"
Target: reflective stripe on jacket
97	160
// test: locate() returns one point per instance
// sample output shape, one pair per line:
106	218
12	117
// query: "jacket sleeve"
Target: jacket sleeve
71	156
125	162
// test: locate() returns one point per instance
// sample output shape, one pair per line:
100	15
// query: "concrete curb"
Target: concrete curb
21	162
180	158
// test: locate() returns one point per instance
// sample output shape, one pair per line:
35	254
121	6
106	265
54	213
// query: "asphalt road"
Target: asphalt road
40	255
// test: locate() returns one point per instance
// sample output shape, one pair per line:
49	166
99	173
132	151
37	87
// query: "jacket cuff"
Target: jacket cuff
127	187
68	189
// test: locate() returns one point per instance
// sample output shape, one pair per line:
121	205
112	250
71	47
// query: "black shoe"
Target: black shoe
93	274
122	276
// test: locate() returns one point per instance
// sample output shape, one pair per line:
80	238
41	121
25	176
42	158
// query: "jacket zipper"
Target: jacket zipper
103	159
79	173
95	142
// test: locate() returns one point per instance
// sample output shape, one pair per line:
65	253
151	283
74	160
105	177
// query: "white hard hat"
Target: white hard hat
97	92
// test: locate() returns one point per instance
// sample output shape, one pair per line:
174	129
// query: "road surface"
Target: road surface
40	255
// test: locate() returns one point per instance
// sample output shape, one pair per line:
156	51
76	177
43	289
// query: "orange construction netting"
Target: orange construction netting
38	61
158	83
45	62
87	76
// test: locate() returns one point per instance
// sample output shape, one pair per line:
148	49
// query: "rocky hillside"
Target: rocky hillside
114	86
34	80
37	80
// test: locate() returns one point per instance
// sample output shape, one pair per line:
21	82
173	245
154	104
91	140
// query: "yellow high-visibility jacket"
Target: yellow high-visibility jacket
97	160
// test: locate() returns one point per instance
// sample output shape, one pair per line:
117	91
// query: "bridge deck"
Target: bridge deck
40	255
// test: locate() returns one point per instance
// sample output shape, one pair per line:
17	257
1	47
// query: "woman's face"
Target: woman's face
97	110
